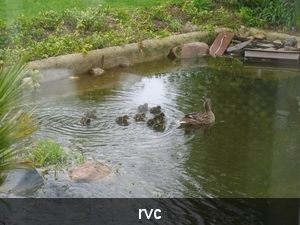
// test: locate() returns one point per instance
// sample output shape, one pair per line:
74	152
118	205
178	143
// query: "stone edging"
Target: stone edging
54	68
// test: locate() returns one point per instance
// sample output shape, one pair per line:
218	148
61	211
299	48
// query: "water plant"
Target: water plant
48	152
80	158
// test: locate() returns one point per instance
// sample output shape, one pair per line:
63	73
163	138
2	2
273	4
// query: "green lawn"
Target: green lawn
10	9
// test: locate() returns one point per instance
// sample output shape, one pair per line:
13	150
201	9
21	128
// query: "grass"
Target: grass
46	153
10	10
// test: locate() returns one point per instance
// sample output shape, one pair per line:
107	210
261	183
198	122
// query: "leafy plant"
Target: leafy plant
276	12
15	123
47	153
249	18
80	158
297	14
203	5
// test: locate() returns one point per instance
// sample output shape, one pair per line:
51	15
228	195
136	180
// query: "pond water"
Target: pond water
252	150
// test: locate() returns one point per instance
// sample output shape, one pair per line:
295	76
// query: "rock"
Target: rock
298	47
243	32
259	36
96	71
190	50
281	49
30	82
278	42
89	171
238	46
125	65
22	182
288	48
290	42
189	27
265	45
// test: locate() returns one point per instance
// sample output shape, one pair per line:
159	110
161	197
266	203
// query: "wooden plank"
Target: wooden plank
221	43
271	56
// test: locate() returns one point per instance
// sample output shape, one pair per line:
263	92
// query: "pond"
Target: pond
252	150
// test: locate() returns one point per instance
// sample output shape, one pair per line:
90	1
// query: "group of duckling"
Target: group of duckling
157	122
88	116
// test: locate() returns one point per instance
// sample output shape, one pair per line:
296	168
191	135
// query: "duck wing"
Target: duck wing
193	115
194	118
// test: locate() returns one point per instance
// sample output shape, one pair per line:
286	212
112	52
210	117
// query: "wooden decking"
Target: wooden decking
272	56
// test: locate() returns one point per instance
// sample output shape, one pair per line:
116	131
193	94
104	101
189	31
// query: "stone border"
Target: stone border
54	68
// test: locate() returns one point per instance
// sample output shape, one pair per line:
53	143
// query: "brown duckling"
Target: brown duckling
159	126
159	117
195	118
140	117
150	122
143	108
123	120
85	121
92	114
155	110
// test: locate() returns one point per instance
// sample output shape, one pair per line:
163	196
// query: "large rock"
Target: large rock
22	182
90	171
190	50
289	42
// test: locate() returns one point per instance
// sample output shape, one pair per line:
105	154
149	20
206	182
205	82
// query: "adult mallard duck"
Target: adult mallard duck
91	114
123	120
85	121
195	118
143	108
140	117
155	110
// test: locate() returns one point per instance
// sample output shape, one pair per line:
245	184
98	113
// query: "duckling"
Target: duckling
155	110
143	108
159	117
140	117
195	118
85	121
150	122
122	120
91	114
159	126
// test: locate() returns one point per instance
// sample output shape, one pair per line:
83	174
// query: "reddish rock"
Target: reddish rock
90	171
190	50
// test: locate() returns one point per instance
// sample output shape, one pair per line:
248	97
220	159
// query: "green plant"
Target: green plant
248	16
175	25
80	158
276	12
15	123
47	153
297	13
203	5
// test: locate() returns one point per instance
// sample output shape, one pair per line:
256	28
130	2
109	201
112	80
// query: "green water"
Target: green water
252	150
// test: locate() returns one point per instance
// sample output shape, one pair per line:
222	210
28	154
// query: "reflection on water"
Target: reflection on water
252	150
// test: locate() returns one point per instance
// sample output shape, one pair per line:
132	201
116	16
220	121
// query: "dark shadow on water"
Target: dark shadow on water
205	128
